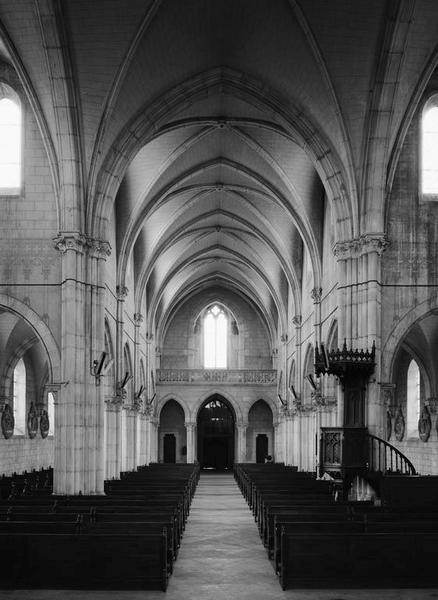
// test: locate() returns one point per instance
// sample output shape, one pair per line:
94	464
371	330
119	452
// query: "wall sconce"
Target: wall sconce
98	368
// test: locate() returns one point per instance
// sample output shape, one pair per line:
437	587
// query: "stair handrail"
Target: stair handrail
403	458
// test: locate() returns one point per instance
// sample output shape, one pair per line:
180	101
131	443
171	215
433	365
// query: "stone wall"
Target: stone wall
20	454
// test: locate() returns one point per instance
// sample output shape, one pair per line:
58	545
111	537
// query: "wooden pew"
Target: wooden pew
104	561
319	560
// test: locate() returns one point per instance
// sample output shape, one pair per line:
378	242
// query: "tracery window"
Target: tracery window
10	144
429	147
215	338
413	398
19	395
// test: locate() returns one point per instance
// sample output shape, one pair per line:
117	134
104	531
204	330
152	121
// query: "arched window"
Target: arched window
51	412
10	145
413	399
429	147
215	338
19	394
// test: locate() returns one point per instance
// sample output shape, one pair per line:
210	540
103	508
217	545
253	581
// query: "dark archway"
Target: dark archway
216	427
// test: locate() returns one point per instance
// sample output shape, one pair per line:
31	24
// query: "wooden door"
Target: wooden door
261	447
169	448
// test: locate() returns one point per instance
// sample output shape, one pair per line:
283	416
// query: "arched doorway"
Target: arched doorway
260	432
172	434
216	421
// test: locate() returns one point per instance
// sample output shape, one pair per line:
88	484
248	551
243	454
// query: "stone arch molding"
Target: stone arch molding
163	401
41	329
218	392
269	401
398	334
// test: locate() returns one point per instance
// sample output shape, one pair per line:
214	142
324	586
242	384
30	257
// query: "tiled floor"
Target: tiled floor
222	558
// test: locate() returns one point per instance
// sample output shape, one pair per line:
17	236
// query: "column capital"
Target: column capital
99	248
113	403
81	244
316	295
70	241
365	244
190	424
121	292
138	319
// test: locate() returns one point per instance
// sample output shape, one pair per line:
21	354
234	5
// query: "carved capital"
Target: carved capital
148	409
284	338
138	318
372	242
365	244
319	401
99	248
113	402
121	292
316	295
70	241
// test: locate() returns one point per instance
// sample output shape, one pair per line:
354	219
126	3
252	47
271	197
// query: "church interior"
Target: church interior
219	240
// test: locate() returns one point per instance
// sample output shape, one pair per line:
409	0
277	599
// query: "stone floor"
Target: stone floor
221	557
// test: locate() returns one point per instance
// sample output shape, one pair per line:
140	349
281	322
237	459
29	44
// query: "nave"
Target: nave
222	557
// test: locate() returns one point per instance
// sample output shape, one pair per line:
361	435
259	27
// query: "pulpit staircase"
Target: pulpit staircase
349	452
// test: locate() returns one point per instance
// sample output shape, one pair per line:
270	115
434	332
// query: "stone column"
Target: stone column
113	436
289	437
148	434
241	441
141	438
153	440
79	439
316	295
190	435
297	321
138	320
121	294
359	300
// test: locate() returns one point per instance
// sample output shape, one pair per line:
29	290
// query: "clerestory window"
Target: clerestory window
215	338
10	146
429	147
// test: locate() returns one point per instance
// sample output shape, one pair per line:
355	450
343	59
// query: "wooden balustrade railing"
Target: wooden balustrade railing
386	458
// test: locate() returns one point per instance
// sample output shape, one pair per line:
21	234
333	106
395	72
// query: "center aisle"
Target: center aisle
221	555
223	558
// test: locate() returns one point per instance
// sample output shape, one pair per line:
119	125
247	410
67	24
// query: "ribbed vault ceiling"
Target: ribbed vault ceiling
217	131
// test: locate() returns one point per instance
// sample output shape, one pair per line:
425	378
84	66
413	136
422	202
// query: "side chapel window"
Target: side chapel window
19	395
413	399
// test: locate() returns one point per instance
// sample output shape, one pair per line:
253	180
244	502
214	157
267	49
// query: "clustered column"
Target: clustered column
359	300
79	442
